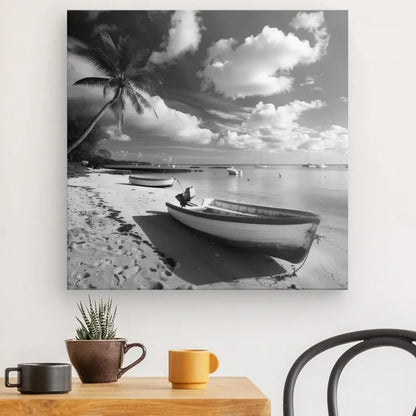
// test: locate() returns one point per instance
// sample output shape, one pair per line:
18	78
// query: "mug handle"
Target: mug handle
141	358
7	375
213	362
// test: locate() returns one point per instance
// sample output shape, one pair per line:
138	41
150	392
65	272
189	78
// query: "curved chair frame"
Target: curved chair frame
367	340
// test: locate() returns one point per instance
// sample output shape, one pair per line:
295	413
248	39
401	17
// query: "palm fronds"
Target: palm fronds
124	52
145	78
127	75
93	81
108	46
100	59
138	101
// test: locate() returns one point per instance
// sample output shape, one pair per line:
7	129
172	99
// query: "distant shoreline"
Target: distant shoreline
149	165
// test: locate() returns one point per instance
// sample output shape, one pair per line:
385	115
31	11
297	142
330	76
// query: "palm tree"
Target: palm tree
126	77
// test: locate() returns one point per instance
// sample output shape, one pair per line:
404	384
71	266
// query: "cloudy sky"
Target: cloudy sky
238	86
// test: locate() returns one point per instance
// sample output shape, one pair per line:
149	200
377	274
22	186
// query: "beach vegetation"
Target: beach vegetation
127	76
79	116
97	320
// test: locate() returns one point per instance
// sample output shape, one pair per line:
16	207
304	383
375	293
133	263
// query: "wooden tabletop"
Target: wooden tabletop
144	396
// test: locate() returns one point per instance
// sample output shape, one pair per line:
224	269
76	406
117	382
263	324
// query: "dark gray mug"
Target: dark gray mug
38	378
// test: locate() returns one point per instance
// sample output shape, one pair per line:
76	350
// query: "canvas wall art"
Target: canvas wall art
207	150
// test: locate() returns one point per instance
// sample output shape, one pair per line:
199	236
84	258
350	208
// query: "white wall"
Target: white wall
256	334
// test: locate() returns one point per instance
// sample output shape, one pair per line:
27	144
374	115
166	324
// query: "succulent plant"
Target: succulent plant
98	320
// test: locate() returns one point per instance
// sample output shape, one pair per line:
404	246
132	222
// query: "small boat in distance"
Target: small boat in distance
315	165
283	233
235	172
142	168
151	181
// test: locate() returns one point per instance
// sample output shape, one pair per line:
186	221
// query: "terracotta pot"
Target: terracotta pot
100	361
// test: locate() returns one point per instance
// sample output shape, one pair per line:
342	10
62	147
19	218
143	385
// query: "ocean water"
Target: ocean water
322	191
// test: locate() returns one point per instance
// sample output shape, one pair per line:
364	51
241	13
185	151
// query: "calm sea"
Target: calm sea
322	191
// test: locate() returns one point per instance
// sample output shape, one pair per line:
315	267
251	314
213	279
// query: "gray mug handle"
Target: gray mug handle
6	376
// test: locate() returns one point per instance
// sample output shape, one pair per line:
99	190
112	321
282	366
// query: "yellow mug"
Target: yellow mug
190	369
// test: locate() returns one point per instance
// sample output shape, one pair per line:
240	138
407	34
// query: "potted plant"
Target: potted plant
96	353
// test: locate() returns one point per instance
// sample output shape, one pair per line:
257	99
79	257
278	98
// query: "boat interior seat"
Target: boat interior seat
236	213
196	208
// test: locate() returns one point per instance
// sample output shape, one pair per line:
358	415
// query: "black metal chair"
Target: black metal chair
367	340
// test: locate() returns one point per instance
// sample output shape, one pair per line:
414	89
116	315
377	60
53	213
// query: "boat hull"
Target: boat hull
234	172
288	241
151	182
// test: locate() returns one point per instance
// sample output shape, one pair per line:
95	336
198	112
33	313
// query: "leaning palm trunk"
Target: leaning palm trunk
90	126
122	75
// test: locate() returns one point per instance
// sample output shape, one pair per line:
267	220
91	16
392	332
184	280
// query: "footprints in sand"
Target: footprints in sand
107	252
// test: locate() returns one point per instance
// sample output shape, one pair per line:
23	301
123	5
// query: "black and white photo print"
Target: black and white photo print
207	149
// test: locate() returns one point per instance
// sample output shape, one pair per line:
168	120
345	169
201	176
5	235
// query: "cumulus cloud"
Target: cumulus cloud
184	36
315	24
273	127
279	126
113	133
269	117
333	139
240	141
171	123
308	21
261	64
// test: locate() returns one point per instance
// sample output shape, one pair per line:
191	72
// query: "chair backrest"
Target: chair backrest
367	340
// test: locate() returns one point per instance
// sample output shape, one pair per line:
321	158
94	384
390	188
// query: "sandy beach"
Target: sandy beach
121	237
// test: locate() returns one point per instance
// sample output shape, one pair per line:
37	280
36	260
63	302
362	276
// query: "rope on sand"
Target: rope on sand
336	245
318	238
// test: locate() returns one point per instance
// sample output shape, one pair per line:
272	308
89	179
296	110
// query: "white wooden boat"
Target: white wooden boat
151	181
234	171
283	233
321	166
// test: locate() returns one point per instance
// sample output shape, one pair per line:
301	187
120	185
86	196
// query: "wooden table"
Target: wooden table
145	396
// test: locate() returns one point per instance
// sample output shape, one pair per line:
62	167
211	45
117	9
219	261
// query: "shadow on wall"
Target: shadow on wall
201	260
